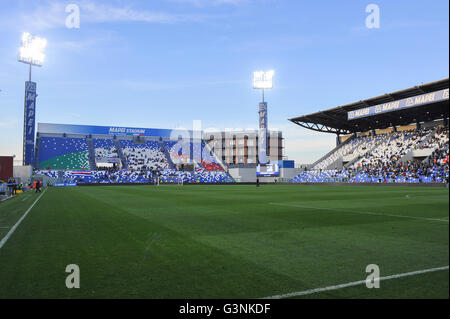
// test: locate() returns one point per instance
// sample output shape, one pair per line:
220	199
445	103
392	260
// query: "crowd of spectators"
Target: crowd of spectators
392	147
384	163
437	140
147	156
411	171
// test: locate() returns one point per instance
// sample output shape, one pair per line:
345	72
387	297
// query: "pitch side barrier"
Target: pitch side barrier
264	183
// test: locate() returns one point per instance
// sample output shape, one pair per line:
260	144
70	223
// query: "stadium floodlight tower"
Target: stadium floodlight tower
32	52
262	80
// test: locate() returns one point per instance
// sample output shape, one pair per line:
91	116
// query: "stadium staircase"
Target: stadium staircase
349	164
46	180
90	145
218	160
231	177
197	164
430	157
409	155
166	153
330	153
36	154
353	161
121	155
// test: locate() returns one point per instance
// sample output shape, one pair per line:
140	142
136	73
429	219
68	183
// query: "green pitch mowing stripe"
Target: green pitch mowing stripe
226	241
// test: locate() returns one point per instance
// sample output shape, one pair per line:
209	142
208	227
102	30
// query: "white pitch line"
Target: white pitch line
8	198
354	283
359	212
11	231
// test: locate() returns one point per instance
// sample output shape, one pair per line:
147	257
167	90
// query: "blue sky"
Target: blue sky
165	63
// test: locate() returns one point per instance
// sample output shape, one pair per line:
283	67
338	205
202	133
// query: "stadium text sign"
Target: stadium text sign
106	130
400	104
29	118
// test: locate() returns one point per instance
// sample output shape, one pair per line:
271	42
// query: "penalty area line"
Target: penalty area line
355	283
11	231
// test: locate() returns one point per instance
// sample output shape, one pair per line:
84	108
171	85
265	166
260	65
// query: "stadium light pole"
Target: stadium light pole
263	80
32	52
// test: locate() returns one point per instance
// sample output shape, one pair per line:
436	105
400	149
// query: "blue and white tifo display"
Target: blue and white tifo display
82	154
268	170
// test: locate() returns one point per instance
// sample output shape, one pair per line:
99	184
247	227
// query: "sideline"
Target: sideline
354	283
11	231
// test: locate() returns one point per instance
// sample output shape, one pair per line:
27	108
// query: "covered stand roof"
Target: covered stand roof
336	120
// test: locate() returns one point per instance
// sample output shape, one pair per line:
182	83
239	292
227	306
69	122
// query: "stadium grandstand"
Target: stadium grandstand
77	154
400	137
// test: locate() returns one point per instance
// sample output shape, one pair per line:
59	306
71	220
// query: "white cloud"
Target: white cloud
158	85
203	3
277	43
95	40
72	46
43	17
76	115
8	123
52	15
92	12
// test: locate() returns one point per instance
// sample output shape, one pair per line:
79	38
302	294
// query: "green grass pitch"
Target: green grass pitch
225	241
